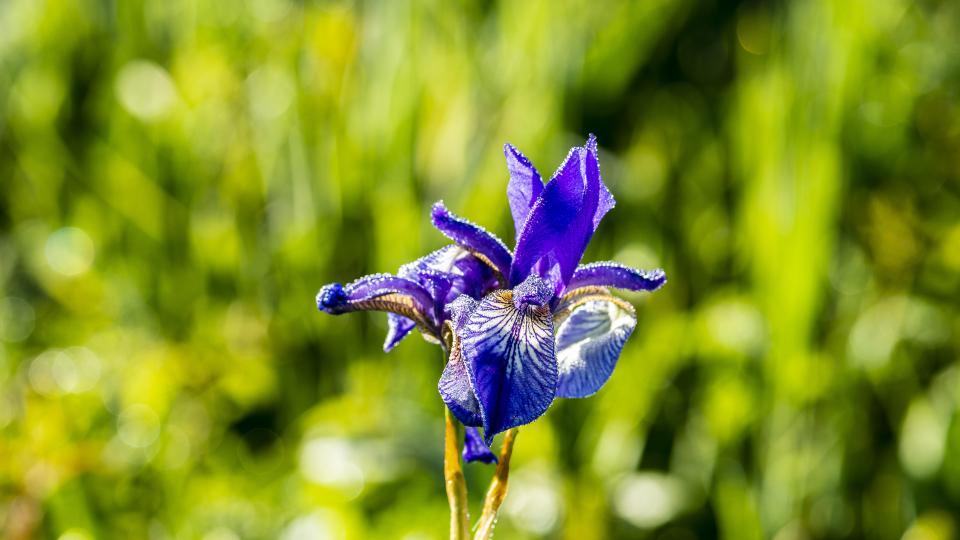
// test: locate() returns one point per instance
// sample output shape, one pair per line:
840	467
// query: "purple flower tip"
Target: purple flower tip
438	211
331	297
474	449
592	143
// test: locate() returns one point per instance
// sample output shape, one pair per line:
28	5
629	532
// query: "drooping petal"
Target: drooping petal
509	354
472	237
562	220
459	310
474	448
524	187
616	275
379	292
398	327
589	342
456	390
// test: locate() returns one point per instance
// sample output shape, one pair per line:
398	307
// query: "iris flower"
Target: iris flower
520	328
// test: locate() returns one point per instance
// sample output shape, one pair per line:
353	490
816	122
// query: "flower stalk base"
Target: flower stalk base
498	489
455	483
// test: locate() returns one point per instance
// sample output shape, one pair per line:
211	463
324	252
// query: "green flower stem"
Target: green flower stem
497	491
456	485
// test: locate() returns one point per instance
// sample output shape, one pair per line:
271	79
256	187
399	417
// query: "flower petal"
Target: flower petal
474	448
459	310
473	277
379	292
510	358
524	187
472	237
589	342
606	200
398	327
456	390
562	220
445	273
533	291
611	274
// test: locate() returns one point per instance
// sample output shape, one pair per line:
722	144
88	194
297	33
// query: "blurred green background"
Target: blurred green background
179	178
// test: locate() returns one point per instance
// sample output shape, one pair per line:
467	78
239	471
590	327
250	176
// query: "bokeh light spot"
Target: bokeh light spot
221	533
332	462
534	504
271	91
922	440
138	426
40	373
75	534
648	500
16	319
145	90
69	251
315	526
753	32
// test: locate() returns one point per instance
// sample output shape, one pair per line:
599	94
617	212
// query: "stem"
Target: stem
456	485
497	491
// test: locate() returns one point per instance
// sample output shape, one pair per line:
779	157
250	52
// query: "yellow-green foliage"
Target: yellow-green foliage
178	178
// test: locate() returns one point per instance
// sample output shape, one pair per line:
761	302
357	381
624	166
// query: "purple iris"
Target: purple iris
474	449
521	328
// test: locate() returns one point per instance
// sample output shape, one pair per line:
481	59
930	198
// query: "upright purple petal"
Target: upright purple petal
589	343
562	220
509	356
616	275
474	449
606	201
524	187
472	237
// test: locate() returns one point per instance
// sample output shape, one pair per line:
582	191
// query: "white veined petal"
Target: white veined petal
589	343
